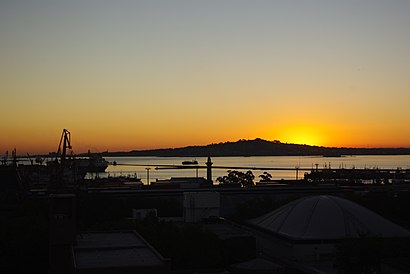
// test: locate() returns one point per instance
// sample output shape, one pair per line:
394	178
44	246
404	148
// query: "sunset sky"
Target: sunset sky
128	74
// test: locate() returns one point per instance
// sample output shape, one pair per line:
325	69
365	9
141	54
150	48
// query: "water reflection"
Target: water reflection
390	162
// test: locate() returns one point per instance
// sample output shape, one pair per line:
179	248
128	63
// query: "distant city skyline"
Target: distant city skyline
124	75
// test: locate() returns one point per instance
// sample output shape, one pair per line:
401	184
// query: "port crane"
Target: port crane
65	141
59	166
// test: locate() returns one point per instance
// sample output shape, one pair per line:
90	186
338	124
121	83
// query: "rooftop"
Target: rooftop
326	217
113	250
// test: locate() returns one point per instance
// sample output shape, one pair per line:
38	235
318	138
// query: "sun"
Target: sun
302	134
304	139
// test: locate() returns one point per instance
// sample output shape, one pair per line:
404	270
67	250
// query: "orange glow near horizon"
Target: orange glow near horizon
82	141
302	134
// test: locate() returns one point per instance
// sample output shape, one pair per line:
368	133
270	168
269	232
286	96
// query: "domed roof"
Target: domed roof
327	217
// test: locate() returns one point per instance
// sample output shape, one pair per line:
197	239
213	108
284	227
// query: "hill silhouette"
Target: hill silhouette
259	147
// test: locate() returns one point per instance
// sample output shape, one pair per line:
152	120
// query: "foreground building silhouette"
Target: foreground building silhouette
124	252
306	232
302	235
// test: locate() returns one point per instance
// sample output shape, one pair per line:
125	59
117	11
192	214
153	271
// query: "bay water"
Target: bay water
135	166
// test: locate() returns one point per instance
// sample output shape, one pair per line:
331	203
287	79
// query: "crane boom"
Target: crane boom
65	141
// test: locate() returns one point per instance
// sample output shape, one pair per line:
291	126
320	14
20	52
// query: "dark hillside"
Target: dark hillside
260	147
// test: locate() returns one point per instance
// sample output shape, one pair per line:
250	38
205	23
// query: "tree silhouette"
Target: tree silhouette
266	177
238	177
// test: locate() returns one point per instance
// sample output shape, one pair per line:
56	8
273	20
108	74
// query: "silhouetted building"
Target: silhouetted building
395	266
143	213
239	245
9	179
201	205
102	253
62	232
257	266
116	253
308	229
181	182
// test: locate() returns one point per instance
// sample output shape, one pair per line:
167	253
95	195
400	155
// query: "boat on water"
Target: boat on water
191	162
90	163
95	163
65	169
